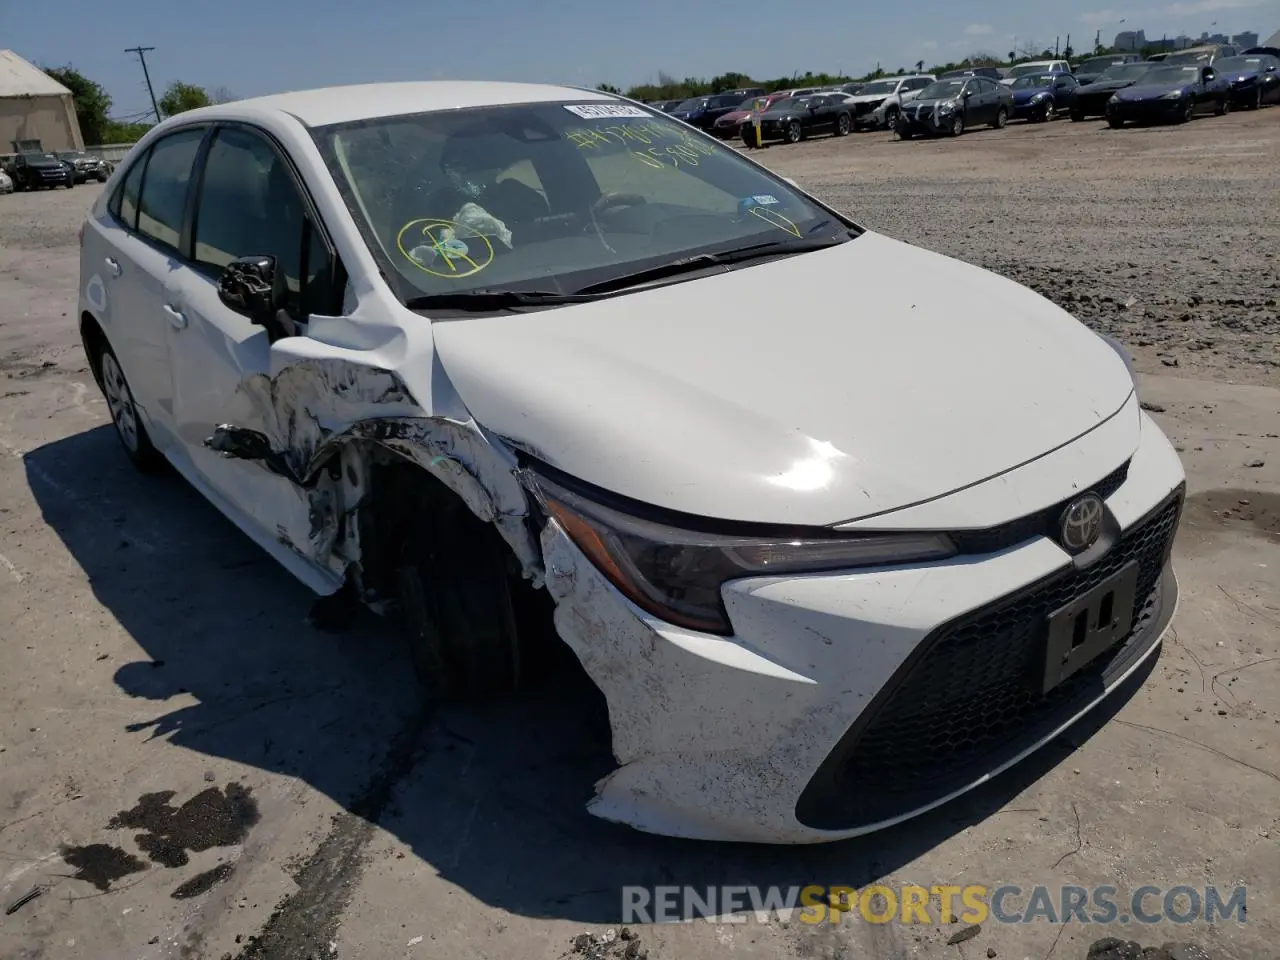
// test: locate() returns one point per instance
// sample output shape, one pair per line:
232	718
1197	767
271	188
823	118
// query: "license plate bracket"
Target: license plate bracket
1082	629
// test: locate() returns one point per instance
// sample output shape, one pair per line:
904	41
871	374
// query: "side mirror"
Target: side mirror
968	94
252	286
1209	74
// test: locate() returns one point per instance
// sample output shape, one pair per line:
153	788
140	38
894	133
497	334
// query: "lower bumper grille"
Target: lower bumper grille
967	701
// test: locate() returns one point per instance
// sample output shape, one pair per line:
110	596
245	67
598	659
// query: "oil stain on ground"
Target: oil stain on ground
202	882
212	818
101	864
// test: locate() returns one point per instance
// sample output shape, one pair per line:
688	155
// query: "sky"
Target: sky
269	46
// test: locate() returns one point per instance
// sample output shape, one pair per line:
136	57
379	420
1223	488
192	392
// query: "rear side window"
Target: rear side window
249	205
125	202
164	186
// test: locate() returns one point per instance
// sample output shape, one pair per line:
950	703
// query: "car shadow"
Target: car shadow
492	796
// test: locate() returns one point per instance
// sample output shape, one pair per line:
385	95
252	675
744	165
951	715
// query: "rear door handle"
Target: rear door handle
114	266
177	318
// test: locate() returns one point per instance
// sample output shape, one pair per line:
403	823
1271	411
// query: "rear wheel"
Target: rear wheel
1002	118
124	413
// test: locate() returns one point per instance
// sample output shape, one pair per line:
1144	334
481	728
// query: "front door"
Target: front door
249	203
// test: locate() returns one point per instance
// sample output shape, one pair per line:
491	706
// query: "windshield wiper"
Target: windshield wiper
486	299
703	261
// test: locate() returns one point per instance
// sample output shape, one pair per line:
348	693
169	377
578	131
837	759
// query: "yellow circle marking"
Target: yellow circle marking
432	231
776	219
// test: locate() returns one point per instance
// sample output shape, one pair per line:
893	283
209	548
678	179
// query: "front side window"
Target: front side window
552	196
127	199
164	186
249	205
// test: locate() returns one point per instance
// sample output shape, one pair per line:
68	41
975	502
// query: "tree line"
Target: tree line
93	105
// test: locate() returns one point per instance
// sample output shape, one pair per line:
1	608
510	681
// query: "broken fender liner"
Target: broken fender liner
313	407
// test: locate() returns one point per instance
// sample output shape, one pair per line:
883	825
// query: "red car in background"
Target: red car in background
729	126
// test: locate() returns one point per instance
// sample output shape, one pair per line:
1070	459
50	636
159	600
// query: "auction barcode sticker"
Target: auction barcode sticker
603	111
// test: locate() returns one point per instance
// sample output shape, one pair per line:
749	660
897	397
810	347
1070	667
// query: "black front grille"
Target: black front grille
1039	524
969	698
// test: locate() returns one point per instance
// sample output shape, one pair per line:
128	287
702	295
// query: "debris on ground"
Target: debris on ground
968	933
1112	948
1152	407
609	945
1256	463
23	900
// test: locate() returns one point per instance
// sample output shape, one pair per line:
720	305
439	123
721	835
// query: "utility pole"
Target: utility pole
142	55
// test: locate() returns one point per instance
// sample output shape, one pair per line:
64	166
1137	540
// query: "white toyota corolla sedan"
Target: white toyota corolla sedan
478	354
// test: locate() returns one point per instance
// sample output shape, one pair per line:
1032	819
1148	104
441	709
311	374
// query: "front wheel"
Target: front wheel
1188	112
124	413
794	133
891	118
956	127
1115	123
1223	107
842	125
1002	118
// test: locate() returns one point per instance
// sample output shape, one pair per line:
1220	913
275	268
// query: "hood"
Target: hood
733	116
918	104
768	394
1149	91
1240	76
1105	86
870	97
43	162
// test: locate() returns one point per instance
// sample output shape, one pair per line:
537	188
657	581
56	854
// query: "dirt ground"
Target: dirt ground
190	769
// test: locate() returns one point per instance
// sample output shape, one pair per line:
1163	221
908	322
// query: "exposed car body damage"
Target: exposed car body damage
314	407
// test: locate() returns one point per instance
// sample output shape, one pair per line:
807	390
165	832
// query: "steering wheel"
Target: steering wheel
608	201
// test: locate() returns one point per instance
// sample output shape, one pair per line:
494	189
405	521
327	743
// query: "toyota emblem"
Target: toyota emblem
1081	522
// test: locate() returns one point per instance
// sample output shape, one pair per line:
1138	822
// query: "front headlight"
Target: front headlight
1040	98
1171	95
676	572
1119	348
1115	98
947	107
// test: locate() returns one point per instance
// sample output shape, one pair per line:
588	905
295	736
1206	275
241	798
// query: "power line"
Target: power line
142	55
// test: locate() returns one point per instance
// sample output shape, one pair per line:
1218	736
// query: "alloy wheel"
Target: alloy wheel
120	402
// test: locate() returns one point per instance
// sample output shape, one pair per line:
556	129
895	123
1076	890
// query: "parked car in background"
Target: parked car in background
795	118
1039	97
992	73
1170	93
853	89
6	183
952	106
1203	56
32	171
880	101
1269	51
666	106
729	125
1091	101
84	166
703	112
1090	70
1254	79
1033	68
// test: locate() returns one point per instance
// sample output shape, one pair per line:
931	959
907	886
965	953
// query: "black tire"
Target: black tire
956	127
891	118
794	132
1223	107
1077	116
843	125
1002	118
71	183
1188	112
458	595
1115	123
128	425
904	133
1256	102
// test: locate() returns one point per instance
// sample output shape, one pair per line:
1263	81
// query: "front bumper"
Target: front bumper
1090	106
1146	111
1022	111
928	122
845	703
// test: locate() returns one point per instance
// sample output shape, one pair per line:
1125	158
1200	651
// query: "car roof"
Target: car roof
363	101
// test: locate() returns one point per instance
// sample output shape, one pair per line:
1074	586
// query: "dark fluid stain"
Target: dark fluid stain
1258	515
202	882
212	818
101	864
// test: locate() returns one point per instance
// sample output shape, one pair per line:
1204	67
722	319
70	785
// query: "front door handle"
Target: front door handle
177	318
113	265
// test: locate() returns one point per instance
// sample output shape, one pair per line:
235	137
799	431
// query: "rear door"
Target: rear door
140	263
249	202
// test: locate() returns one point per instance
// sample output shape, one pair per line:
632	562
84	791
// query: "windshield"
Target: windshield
882	87
1203	56
943	89
1023	69
1098	65
1042	80
1124	71
1240	64
552	196
1171	75
788	103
